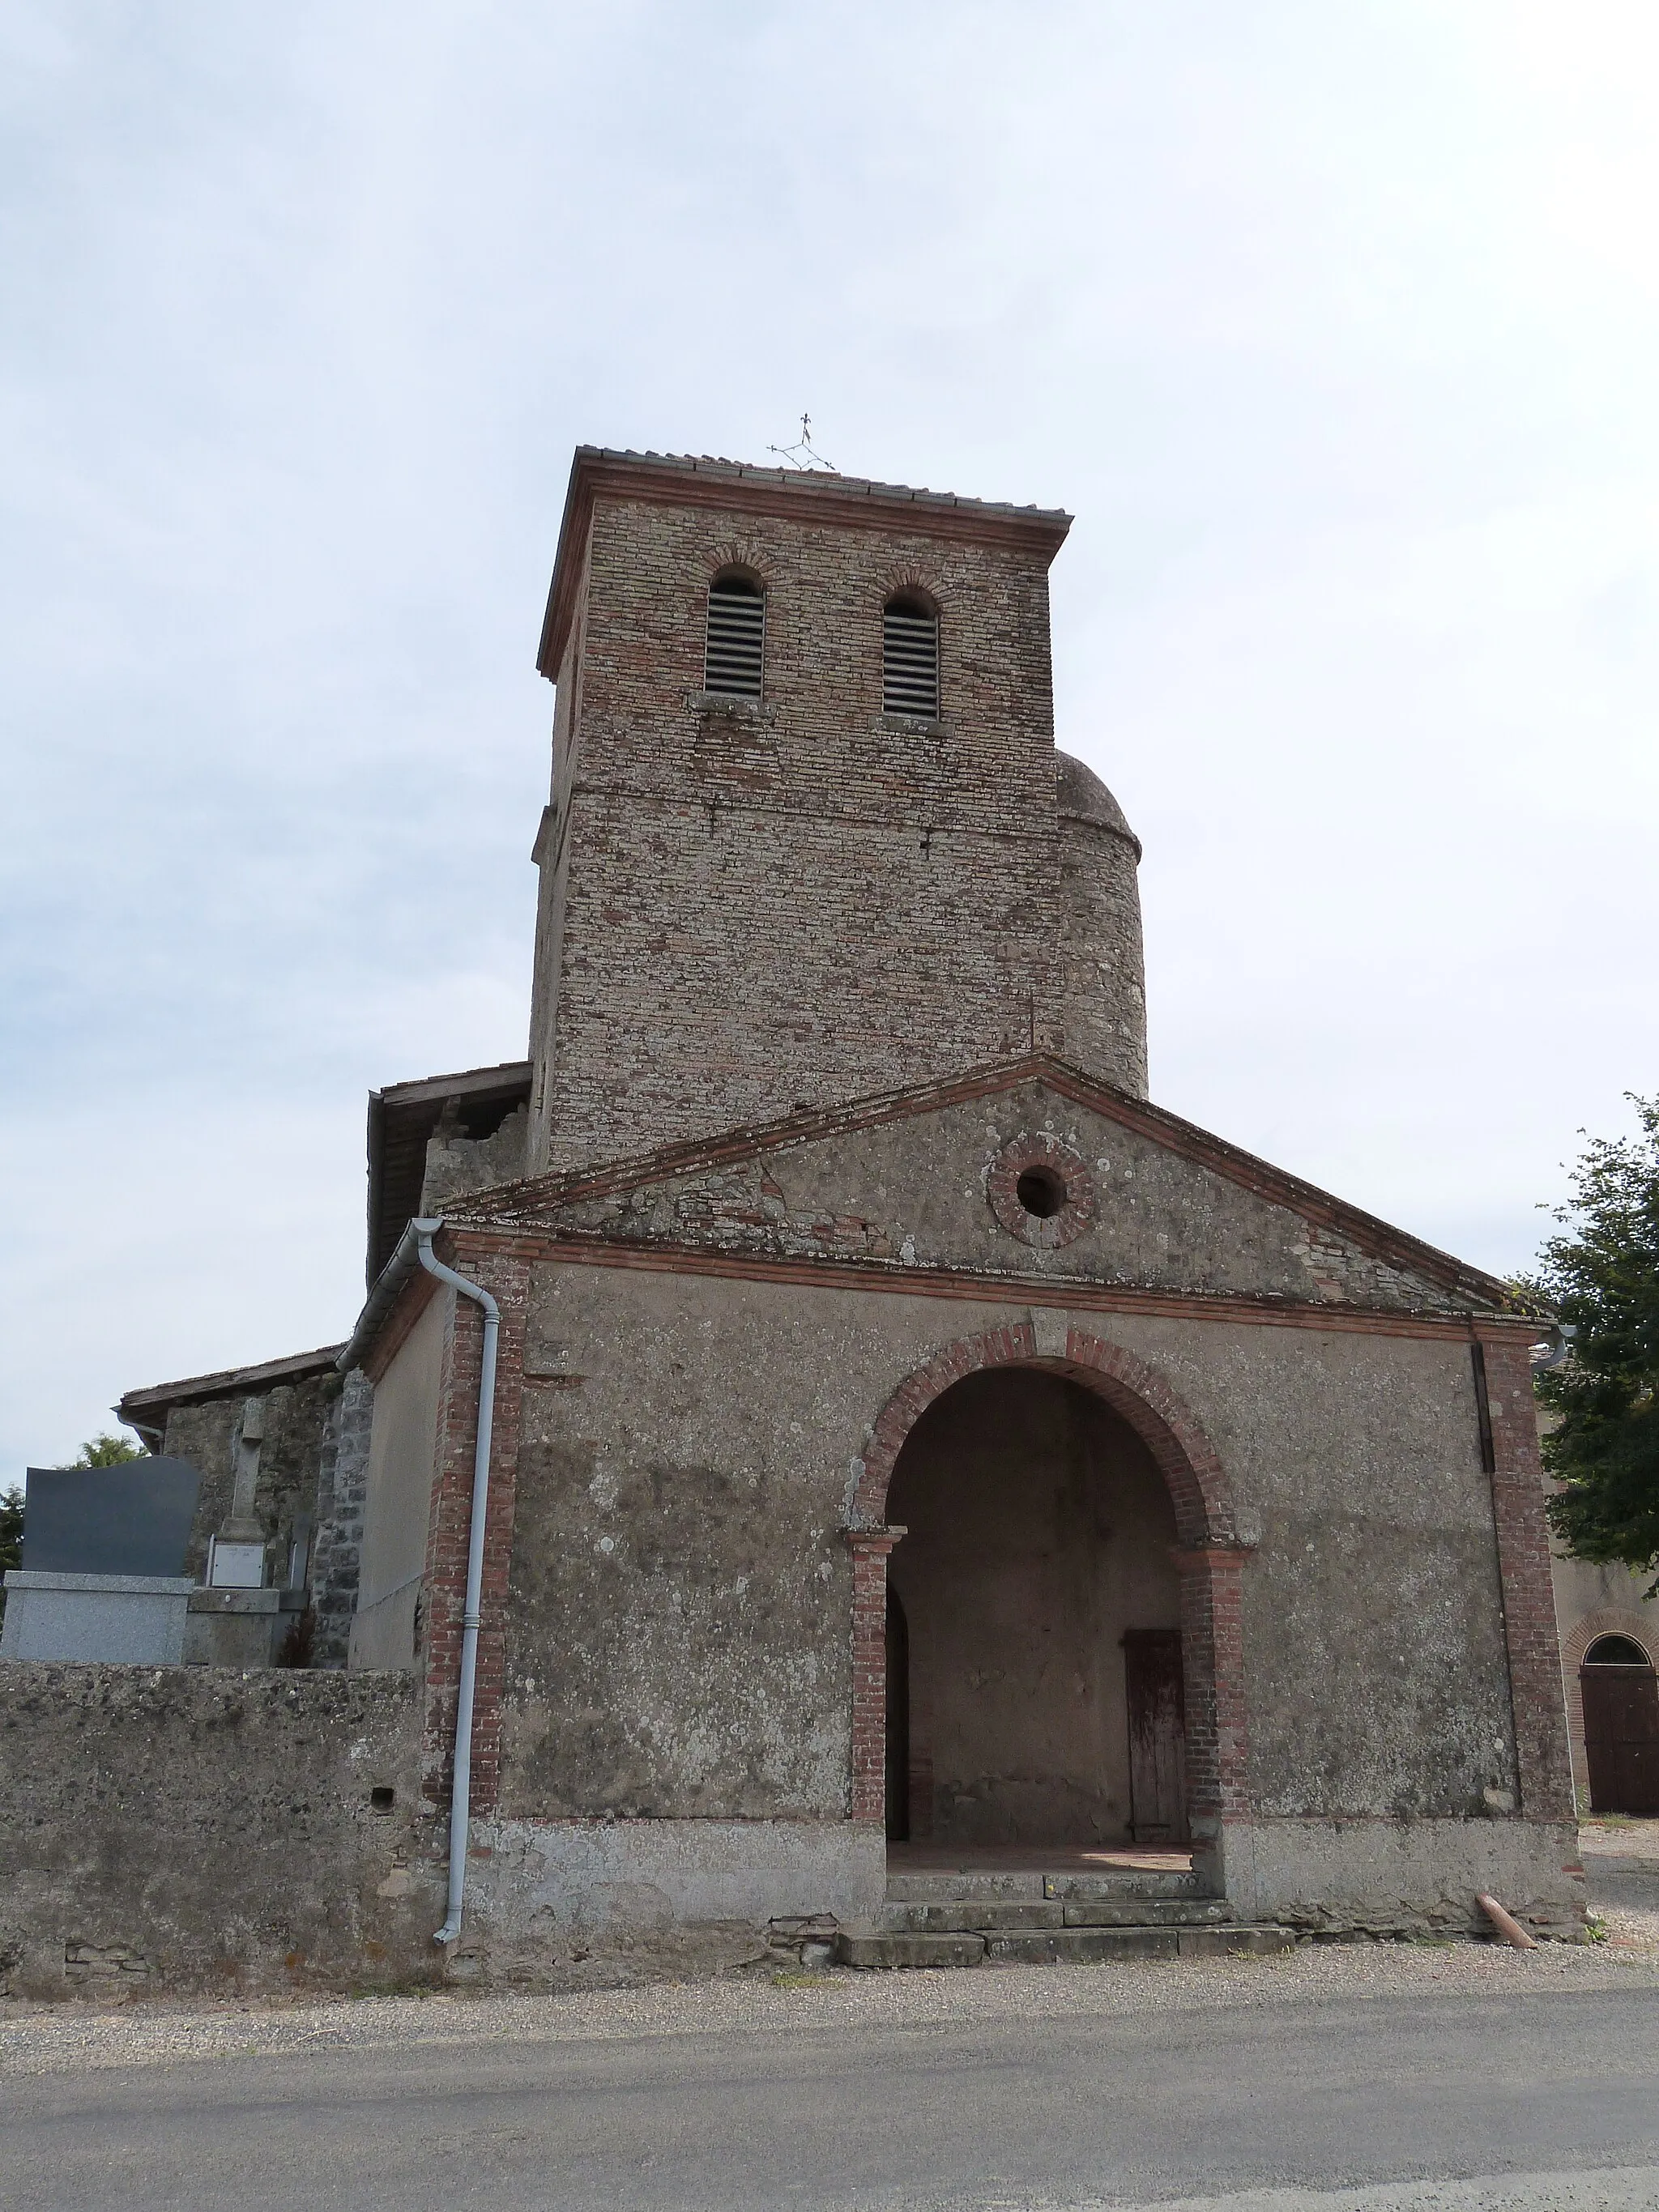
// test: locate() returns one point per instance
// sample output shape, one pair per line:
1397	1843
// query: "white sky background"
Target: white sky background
1336	328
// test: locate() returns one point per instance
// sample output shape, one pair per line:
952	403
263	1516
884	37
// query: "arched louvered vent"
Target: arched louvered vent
909	658
737	637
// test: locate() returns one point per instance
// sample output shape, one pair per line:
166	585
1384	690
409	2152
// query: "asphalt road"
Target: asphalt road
1003	2113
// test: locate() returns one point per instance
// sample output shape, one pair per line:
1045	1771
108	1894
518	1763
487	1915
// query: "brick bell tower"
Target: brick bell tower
809	838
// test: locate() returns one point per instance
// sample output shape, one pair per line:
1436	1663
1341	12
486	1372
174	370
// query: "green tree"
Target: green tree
11	1533
1601	1276
107	1451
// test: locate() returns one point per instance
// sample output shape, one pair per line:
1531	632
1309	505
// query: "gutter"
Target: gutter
383	1296
1556	1354
415	1249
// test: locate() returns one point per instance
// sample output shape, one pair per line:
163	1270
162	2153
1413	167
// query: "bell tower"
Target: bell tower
804	842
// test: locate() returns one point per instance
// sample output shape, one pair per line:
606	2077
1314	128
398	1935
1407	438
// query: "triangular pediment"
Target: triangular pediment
930	1179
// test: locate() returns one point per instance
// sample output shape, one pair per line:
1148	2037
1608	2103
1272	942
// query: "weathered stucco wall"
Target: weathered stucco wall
191	1828
1039	1530
680	1600
1377	1667
397	1493
570	1903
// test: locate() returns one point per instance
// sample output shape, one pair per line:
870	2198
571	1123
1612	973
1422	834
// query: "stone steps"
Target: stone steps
873	1946
969	1915
1015	1886
1028	1917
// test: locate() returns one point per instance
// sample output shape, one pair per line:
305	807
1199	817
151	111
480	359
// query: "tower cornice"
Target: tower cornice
797	495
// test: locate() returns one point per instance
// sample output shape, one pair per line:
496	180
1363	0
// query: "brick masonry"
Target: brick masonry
1523	1553
506	1276
748	907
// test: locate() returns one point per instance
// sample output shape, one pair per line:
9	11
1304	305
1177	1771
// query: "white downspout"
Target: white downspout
460	1796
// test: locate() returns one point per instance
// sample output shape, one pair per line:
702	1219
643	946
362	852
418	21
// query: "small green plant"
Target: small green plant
801	1977
1597	1931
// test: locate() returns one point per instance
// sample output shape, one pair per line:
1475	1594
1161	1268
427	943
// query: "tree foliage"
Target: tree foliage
11	1531
107	1451
1601	1276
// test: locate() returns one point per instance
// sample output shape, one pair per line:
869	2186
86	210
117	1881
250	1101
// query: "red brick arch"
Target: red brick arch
1210	1562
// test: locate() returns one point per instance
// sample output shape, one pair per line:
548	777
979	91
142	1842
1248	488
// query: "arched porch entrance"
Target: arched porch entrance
1065	1605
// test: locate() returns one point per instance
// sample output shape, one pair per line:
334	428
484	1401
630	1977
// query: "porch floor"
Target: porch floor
1037	1859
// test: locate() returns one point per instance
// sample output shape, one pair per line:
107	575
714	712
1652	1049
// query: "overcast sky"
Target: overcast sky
1334	327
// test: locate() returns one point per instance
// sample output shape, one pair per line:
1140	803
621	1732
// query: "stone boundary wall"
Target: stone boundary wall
198	1829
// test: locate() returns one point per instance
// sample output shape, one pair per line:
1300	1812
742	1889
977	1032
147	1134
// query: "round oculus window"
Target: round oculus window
1041	1190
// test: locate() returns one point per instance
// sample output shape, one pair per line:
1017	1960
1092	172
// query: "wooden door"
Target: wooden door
1621	1738
1157	1736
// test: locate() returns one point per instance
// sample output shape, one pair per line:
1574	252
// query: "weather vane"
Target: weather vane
801	455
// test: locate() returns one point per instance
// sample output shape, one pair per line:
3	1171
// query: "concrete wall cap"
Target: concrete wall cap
116	1585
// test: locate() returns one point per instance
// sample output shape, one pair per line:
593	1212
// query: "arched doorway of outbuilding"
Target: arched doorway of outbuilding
1619	1690
1065	1605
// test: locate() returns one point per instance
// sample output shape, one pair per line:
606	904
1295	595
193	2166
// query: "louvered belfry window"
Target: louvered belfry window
909	658
737	637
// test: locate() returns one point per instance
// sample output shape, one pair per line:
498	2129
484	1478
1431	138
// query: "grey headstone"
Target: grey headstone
129	1520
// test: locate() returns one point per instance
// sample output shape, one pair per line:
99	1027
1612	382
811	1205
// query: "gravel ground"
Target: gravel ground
1622	1861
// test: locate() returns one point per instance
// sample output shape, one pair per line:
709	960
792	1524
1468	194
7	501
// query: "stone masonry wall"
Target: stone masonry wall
1102	992
342	1489
800	901
198	1829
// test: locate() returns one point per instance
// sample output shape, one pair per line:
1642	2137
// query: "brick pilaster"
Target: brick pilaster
505	1275
1212	1665
870	1548
1541	1754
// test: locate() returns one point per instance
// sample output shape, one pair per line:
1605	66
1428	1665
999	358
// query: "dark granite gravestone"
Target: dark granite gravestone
129	1520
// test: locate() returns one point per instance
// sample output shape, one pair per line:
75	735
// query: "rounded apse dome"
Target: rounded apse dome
1103	968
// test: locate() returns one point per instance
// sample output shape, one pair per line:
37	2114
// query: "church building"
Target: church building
919	1467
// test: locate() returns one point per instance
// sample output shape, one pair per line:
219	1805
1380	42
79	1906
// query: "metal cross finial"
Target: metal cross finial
801	455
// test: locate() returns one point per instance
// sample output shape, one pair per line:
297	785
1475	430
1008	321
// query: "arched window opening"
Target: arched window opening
909	657
736	649
1616	1652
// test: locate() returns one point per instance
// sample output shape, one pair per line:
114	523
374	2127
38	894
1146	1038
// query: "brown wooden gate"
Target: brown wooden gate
1157	1736
1621	1738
